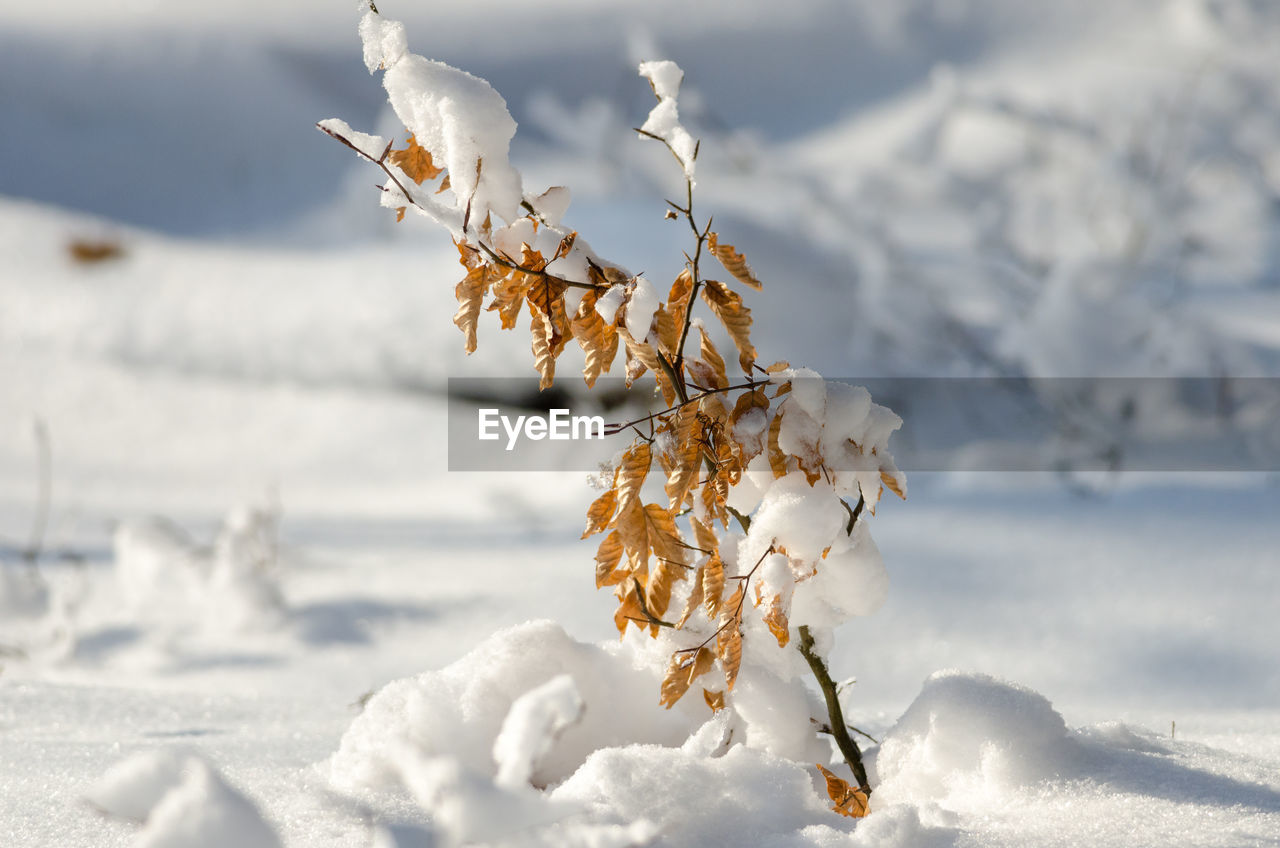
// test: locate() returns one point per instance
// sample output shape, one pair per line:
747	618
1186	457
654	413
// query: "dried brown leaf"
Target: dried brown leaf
415	161
685	667
715	700
733	261
727	306
608	555
777	459
707	351
849	800
599	341
678	298
776	619
600	513
894	482
632	471
712	586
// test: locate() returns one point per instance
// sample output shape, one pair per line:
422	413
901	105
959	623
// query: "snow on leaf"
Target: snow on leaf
849	800
895	482
733	261
598	339
777	459
727	306
415	161
776	619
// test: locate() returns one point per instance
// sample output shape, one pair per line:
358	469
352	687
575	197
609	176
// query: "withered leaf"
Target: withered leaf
711	356
684	668
777	459
607	557
776	619
695	599
849	800
678	298
632	471
600	513
727	306
715	700
470	293
733	261
629	608
415	161
599	341
685	456
893	481
712	585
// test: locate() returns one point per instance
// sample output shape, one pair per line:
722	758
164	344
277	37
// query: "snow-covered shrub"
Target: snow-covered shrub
748	544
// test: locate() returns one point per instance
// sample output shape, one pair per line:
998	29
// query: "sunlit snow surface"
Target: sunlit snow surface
924	187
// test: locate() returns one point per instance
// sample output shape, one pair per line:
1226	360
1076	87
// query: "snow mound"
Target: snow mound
459	711
744	797
183	802
971	727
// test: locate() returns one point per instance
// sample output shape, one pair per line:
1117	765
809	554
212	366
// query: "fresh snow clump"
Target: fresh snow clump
183	802
664	119
460	118
459	710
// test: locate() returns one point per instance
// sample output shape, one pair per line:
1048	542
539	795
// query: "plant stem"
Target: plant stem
849	748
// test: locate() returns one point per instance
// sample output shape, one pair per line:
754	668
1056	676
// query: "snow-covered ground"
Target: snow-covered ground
252	524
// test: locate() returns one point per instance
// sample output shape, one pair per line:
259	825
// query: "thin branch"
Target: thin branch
499	259
849	748
611	429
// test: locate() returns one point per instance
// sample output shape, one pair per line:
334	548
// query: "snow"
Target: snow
664	119
642	302
182	802
266	613
536	718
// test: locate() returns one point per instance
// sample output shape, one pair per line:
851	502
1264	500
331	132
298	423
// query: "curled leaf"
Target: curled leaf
733	261
727	306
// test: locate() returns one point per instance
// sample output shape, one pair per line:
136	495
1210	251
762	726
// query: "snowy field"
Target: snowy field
235	364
